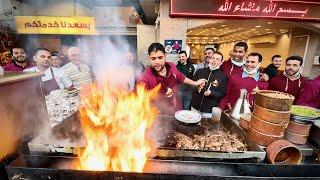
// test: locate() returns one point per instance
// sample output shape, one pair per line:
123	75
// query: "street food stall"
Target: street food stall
203	149
112	134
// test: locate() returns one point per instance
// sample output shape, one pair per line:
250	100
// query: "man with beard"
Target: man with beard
185	91
250	79
6	57
237	60
290	81
20	61
54	78
310	95
209	95
272	69
168	76
208	54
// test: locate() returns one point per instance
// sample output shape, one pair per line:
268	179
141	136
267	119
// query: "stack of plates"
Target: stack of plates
304	114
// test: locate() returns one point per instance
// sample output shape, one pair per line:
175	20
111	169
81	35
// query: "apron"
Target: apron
50	85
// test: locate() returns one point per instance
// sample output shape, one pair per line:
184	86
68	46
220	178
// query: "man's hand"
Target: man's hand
201	86
264	77
255	90
201	82
169	92
207	93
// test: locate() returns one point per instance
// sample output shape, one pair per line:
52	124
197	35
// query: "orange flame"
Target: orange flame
114	124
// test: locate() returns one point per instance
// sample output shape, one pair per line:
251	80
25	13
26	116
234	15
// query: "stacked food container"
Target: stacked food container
271	116
301	121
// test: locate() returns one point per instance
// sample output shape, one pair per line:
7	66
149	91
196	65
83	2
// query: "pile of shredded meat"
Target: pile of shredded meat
217	141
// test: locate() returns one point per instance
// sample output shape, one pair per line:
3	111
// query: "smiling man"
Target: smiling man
290	81
185	91
166	74
210	94
250	79
237	60
272	69
78	72
20	61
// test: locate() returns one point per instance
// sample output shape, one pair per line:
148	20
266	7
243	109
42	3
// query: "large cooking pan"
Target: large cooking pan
163	126
166	151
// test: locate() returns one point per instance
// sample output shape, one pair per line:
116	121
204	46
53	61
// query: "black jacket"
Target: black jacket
271	70
218	89
188	71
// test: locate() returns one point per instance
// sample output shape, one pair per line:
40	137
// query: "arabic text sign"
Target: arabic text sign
301	10
55	25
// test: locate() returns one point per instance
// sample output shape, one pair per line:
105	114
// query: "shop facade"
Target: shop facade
178	18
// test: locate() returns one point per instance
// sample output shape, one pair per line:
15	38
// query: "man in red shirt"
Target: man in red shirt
166	74
20	61
310	95
290	81
250	79
237	60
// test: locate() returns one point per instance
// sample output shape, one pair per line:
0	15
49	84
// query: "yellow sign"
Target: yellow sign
55	25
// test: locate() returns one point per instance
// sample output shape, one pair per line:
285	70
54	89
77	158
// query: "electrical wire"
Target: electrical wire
74	7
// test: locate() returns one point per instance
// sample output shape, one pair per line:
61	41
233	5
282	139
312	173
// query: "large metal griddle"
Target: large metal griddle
164	125
255	153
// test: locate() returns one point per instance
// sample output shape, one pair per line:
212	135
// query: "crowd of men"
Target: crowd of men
224	79
213	83
72	75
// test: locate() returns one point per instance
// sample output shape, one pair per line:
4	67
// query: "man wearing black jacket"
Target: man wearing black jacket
210	94
185	91
272	69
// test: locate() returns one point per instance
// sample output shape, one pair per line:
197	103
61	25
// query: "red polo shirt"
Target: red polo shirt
279	83
15	67
237	82
230	69
173	77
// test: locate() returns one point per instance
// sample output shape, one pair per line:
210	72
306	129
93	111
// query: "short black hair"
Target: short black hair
217	52
242	44
183	52
40	49
55	53
275	56
298	58
209	48
154	47
17	47
256	54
